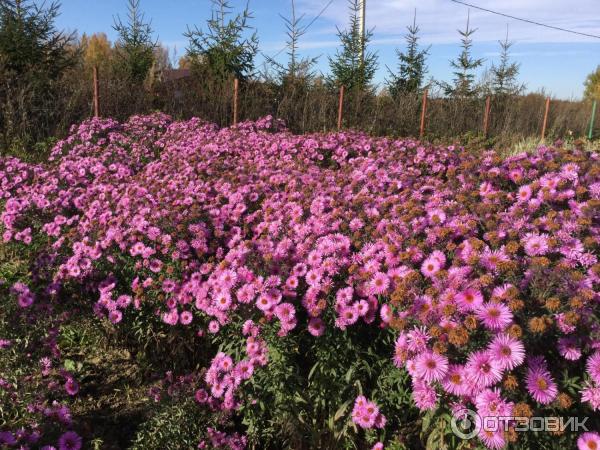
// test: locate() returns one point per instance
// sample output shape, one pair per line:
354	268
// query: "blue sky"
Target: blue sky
550	59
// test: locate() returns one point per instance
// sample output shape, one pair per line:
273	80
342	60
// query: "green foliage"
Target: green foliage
305	395
504	75
297	69
592	85
34	56
135	45
412	65
224	50
173	425
29	40
353	66
464	65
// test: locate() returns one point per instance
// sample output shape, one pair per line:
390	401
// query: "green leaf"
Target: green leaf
341	410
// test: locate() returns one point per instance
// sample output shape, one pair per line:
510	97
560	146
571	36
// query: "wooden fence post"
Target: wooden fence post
236	85
486	117
545	118
96	94
340	108
423	114
592	120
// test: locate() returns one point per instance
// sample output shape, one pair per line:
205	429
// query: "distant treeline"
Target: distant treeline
46	81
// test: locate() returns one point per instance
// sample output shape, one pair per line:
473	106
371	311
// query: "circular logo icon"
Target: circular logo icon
466	424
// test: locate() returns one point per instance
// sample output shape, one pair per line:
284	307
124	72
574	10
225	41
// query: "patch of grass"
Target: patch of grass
113	400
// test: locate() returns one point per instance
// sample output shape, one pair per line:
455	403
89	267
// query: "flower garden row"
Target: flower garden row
483	270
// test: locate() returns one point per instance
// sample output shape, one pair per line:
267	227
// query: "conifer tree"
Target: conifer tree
348	68
297	68
464	67
224	49
135	45
504	76
412	64
34	56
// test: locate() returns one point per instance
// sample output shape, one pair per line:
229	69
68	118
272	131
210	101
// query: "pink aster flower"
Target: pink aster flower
589	441
593	367
400	350
436	216
69	441
424	395
115	316
385	313
264	303
535	244
483	369
540	385
569	349
417	339
285	312
366	414
186	317
71	386
379	284
313	277
245	294
524	193
300	269
430	267
469	299
490	403
171	317
25	300
507	351
292	282
431	366
349	315
201	396
591	394
495	316
228	278
492	439
455	380
213	327
316	326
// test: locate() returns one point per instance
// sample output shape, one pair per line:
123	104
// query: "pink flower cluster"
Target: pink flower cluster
366	414
485	268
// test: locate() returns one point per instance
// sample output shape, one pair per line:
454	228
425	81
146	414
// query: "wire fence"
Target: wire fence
304	107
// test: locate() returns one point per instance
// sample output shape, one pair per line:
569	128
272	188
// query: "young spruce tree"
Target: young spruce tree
464	67
224	50
135	45
34	56
348	69
412	65
297	69
505	75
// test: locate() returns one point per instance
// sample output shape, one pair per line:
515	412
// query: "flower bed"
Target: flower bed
359	291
